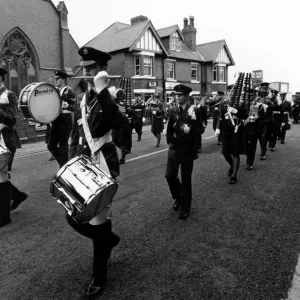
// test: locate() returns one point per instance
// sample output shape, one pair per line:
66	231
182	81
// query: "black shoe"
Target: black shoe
219	143
2	224
127	151
262	157
122	161
282	142
249	168
272	149
16	202
138	140
230	172
115	240
199	150
94	288
233	180
176	204
51	158
157	145
183	215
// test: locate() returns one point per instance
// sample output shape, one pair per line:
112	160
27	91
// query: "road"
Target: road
240	242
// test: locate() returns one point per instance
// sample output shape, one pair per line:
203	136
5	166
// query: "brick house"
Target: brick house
157	60
183	64
217	58
34	41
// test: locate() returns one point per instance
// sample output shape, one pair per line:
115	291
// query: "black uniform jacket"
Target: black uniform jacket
103	115
181	144
268	115
215	107
286	106
225	123
8	117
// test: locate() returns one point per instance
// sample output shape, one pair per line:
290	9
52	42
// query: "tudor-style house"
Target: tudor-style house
157	60
217	58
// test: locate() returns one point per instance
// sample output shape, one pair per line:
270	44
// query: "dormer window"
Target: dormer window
175	43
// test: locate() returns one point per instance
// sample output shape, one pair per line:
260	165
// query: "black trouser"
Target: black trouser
137	125
264	136
5	199
272	135
58	138
296	115
283	133
214	124
251	143
200	143
102	237
180	190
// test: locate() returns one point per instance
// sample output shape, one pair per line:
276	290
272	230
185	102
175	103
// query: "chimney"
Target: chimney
185	23
138	19
192	21
189	33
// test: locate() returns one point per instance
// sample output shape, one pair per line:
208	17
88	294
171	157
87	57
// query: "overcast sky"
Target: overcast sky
261	34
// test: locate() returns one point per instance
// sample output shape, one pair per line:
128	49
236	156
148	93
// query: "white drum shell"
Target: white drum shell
40	101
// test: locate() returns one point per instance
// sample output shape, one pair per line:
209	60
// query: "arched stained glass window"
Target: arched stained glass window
18	59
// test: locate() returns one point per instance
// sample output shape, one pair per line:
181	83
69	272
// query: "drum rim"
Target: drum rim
29	98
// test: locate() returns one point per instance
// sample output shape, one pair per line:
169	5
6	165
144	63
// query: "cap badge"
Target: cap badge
85	51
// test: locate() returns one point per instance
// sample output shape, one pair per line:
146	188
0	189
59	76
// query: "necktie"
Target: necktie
180	110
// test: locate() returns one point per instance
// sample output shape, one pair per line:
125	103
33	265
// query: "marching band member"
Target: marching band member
183	139
10	196
157	117
230	122
98	116
203	116
138	116
266	119
251	131
60	128
215	105
121	137
285	108
296	109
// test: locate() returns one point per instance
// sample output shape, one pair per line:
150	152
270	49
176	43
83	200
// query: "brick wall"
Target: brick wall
39	21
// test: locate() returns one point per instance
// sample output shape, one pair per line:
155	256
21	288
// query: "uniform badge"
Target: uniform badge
85	51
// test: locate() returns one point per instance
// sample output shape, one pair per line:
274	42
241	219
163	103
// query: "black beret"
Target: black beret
182	89
2	71
91	55
221	93
265	84
60	74
283	93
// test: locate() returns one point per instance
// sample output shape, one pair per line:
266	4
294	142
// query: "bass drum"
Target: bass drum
40	102
83	189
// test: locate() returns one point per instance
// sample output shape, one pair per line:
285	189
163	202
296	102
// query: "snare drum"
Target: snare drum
4	157
83	189
40	101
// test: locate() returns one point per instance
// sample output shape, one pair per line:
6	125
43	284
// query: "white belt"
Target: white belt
66	112
276	112
138	109
233	117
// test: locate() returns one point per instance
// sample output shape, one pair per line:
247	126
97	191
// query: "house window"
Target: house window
148	65
171	70
137	65
221	74
194	72
175	43
17	58
215	78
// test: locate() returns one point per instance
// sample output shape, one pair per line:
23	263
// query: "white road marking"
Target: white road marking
132	159
160	151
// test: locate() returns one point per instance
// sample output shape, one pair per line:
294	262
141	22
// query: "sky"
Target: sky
261	34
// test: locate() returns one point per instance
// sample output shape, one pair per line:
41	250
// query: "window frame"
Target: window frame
150	65
137	66
197	75
172	63
219	73
215	73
